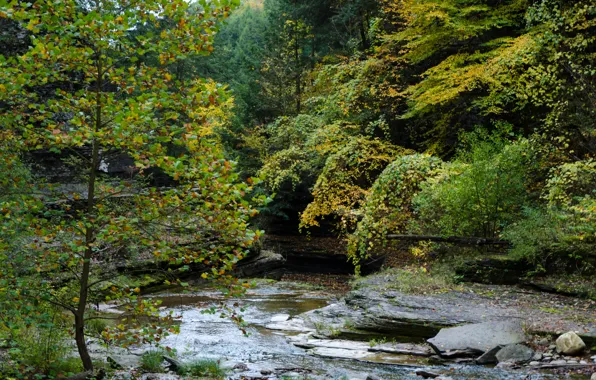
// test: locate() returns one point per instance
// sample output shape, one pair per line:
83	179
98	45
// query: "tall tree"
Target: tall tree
84	88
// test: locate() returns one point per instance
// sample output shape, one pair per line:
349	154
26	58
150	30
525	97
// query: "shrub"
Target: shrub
479	193
388	207
151	361
203	368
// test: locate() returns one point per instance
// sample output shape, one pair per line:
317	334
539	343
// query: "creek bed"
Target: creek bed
263	351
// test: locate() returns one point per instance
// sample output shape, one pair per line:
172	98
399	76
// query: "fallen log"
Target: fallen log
450	239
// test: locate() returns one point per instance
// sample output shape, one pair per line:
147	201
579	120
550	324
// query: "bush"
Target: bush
343	183
203	368
151	361
388	207
479	193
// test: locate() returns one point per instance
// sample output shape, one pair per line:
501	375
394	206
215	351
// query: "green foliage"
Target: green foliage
387	207
43	350
343	183
94	83
151	361
479	193
565	229
203	368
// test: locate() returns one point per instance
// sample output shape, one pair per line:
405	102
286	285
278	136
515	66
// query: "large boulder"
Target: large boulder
515	353
570	344
478	337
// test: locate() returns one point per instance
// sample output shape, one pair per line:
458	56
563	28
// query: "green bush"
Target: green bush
203	368
387	207
151	361
483	190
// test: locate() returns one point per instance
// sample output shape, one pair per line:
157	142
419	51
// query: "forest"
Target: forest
168	146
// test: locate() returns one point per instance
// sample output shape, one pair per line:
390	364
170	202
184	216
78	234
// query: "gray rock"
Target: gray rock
489	356
570	344
534	363
593	377
543	342
537	356
280	317
572	362
426	374
480	336
558	362
552	347
372	377
515	353
583	362
548	355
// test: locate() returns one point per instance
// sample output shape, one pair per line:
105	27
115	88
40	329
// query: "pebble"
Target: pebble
593	376
552	347
537	356
543	342
571	361
583	362
534	363
559	362
548	355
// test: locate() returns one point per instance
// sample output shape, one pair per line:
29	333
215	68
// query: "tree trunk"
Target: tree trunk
81	344
89	231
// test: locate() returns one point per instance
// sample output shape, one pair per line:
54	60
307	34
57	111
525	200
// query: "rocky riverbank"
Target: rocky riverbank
476	324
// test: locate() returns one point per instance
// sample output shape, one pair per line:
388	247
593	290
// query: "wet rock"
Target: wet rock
515	353
372	377
266	372
280	317
570	344
480	337
173	364
340	353
452	354
293	324
489	356
240	367
267	264
426	374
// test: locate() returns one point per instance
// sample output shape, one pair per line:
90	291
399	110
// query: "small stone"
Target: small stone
489	356
571	361
593	376
372	377
515	353
556	356
583	362
537	356
570	344
534	363
444	378
546	359
266	372
240	367
552	347
426	374
543	342
559	362
548	355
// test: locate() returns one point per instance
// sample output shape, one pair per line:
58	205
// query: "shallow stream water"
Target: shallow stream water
208	336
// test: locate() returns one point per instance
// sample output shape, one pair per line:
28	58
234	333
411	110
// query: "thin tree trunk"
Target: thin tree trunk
89	232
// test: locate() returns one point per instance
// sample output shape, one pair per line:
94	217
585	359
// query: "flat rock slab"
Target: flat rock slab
480	337
294	324
389	348
280	317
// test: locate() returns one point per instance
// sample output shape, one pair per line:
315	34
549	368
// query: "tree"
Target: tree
85	91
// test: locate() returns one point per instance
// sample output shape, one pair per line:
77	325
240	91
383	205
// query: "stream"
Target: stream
267	354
